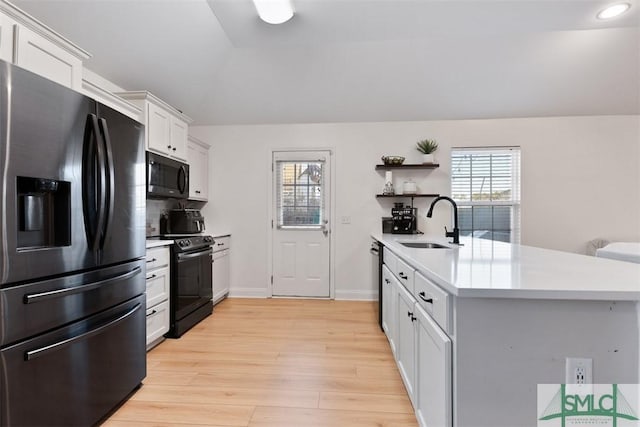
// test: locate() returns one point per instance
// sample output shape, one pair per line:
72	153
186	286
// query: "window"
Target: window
485	183
300	198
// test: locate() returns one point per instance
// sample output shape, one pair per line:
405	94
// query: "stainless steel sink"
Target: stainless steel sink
424	245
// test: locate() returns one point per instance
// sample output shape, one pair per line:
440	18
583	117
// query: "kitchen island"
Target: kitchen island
476	328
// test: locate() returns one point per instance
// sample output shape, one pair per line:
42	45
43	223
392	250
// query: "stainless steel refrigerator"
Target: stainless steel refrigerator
72	215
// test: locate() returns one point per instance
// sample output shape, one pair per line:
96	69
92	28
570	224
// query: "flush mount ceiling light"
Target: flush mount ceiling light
613	11
274	11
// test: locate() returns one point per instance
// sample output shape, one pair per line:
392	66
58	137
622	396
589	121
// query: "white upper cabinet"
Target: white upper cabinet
32	45
166	127
198	160
6	38
158	129
178	137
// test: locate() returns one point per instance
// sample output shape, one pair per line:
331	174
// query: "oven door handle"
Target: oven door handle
194	254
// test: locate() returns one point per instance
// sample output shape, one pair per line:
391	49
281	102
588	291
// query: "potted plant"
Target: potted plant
427	147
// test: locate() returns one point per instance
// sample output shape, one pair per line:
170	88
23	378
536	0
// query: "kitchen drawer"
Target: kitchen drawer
405	274
157	321
221	243
433	300
157	257
390	260
157	286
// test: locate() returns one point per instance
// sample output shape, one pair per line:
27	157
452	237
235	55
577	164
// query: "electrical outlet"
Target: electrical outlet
579	371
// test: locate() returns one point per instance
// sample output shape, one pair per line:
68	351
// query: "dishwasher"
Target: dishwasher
376	274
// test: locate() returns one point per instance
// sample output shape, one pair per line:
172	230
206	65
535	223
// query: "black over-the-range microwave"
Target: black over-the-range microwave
166	177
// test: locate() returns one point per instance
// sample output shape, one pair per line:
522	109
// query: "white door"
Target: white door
301	229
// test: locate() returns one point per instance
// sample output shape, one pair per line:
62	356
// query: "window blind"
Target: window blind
300	193
485	183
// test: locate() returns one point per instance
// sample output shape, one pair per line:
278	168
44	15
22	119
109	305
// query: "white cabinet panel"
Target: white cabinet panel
166	128
28	43
158	279
405	354
405	274
158	286
157	257
389	310
221	274
6	38
198	160
43	57
433	300
158	130
433	378
157	322
390	260
179	130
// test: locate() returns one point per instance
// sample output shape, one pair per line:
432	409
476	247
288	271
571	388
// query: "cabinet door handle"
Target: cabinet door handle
387	281
152	260
197	191
153	276
152	313
424	298
413	318
168	146
174	148
409	314
403	276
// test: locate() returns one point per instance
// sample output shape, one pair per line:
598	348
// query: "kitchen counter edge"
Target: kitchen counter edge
624	290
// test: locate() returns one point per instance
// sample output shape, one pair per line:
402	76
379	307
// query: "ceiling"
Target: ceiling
361	60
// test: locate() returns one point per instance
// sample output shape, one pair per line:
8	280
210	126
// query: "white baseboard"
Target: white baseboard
340	295
357	295
248	293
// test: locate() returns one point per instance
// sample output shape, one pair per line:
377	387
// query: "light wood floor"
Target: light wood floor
274	363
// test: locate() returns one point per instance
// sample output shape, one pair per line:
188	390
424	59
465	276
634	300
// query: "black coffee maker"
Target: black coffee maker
404	219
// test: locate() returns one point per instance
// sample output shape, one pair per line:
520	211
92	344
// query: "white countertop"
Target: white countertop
220	234
156	243
622	251
483	268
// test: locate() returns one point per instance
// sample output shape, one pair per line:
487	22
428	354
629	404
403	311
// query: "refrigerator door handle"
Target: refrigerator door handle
110	184
33	354
58	293
93	182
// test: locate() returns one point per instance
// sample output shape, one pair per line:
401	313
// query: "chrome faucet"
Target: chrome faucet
456	231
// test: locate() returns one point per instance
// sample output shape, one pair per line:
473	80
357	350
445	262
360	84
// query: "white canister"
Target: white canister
409	187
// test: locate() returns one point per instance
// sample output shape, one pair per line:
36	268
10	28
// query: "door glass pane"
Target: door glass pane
300	193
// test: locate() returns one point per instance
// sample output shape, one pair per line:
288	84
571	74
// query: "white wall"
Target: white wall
580	180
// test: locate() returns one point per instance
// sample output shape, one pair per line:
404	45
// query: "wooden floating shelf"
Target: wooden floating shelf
405	195
409	166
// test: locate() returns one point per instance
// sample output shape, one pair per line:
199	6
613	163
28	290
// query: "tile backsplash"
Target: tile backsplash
156	207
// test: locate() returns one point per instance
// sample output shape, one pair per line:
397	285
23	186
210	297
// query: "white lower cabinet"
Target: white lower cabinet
416	318
198	160
432	401
157	322
221	273
406	340
158	289
390	296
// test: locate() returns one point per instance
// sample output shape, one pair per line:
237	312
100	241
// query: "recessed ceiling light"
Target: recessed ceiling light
613	11
274	11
